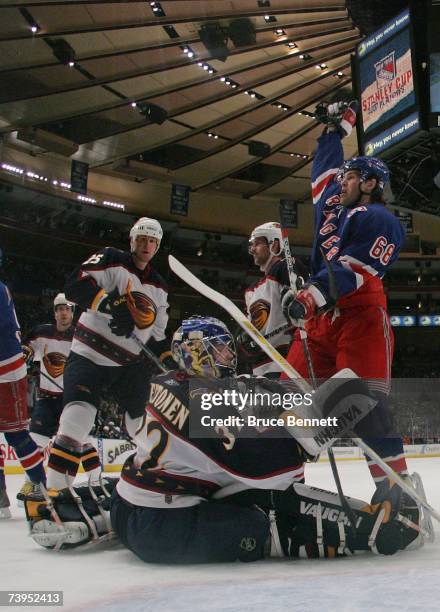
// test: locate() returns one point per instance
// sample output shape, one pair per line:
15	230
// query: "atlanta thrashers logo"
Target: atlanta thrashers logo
54	364
142	309
259	312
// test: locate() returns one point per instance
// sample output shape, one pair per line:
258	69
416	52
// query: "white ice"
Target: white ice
114	579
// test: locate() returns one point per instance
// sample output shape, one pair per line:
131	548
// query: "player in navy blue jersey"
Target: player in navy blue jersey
13	399
343	306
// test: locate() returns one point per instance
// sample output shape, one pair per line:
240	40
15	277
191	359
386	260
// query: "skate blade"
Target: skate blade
425	517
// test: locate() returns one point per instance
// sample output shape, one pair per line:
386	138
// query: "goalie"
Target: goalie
185	499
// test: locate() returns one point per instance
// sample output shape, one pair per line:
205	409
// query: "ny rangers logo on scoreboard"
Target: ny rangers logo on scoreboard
386	68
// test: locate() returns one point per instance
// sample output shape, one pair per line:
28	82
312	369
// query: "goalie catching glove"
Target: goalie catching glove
73	530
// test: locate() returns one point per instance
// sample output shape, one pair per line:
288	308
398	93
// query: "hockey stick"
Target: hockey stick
192	280
216	297
149	353
51	380
311	370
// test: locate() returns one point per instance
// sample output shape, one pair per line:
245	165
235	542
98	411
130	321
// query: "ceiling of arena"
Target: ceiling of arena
131	88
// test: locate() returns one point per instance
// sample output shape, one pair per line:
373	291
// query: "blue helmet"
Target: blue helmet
199	347
368	167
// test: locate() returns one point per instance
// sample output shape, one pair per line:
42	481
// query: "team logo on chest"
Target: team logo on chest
142	309
259	312
54	363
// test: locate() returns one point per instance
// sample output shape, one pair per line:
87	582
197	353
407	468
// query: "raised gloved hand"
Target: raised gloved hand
122	323
338	116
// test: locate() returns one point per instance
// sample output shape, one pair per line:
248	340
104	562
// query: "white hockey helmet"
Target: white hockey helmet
146	227
271	231
61	300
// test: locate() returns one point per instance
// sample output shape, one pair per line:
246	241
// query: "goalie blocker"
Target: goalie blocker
301	521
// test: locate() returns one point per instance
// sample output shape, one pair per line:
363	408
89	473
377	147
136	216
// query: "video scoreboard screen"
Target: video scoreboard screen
386	85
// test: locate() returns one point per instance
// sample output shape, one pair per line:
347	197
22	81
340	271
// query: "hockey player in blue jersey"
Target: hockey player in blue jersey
13	399
358	238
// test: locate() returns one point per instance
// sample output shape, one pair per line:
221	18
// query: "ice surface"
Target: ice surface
114	579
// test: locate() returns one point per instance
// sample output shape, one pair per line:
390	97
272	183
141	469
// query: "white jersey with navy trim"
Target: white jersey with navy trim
263	309
51	349
102	273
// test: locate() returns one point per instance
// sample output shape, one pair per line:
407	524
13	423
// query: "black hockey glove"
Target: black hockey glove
247	346
122	323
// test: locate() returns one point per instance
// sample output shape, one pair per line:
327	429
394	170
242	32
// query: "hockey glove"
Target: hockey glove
116	306
28	354
247	346
338	116
342	117
301	307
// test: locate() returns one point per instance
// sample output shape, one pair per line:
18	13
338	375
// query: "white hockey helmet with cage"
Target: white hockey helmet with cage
271	231
146	227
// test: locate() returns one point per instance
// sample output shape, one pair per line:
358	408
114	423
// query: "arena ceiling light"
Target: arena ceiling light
157	9
188	51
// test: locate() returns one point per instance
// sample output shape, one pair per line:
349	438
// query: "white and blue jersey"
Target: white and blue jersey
359	242
12	365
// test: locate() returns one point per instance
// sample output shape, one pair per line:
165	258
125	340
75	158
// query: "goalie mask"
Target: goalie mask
203	346
146	227
271	231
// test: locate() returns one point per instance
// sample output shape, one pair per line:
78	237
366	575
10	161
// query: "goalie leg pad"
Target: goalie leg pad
314	520
73	530
47	534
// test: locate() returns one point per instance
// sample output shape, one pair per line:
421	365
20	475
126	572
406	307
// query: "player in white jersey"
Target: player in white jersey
263	299
120	294
229	494
49	345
